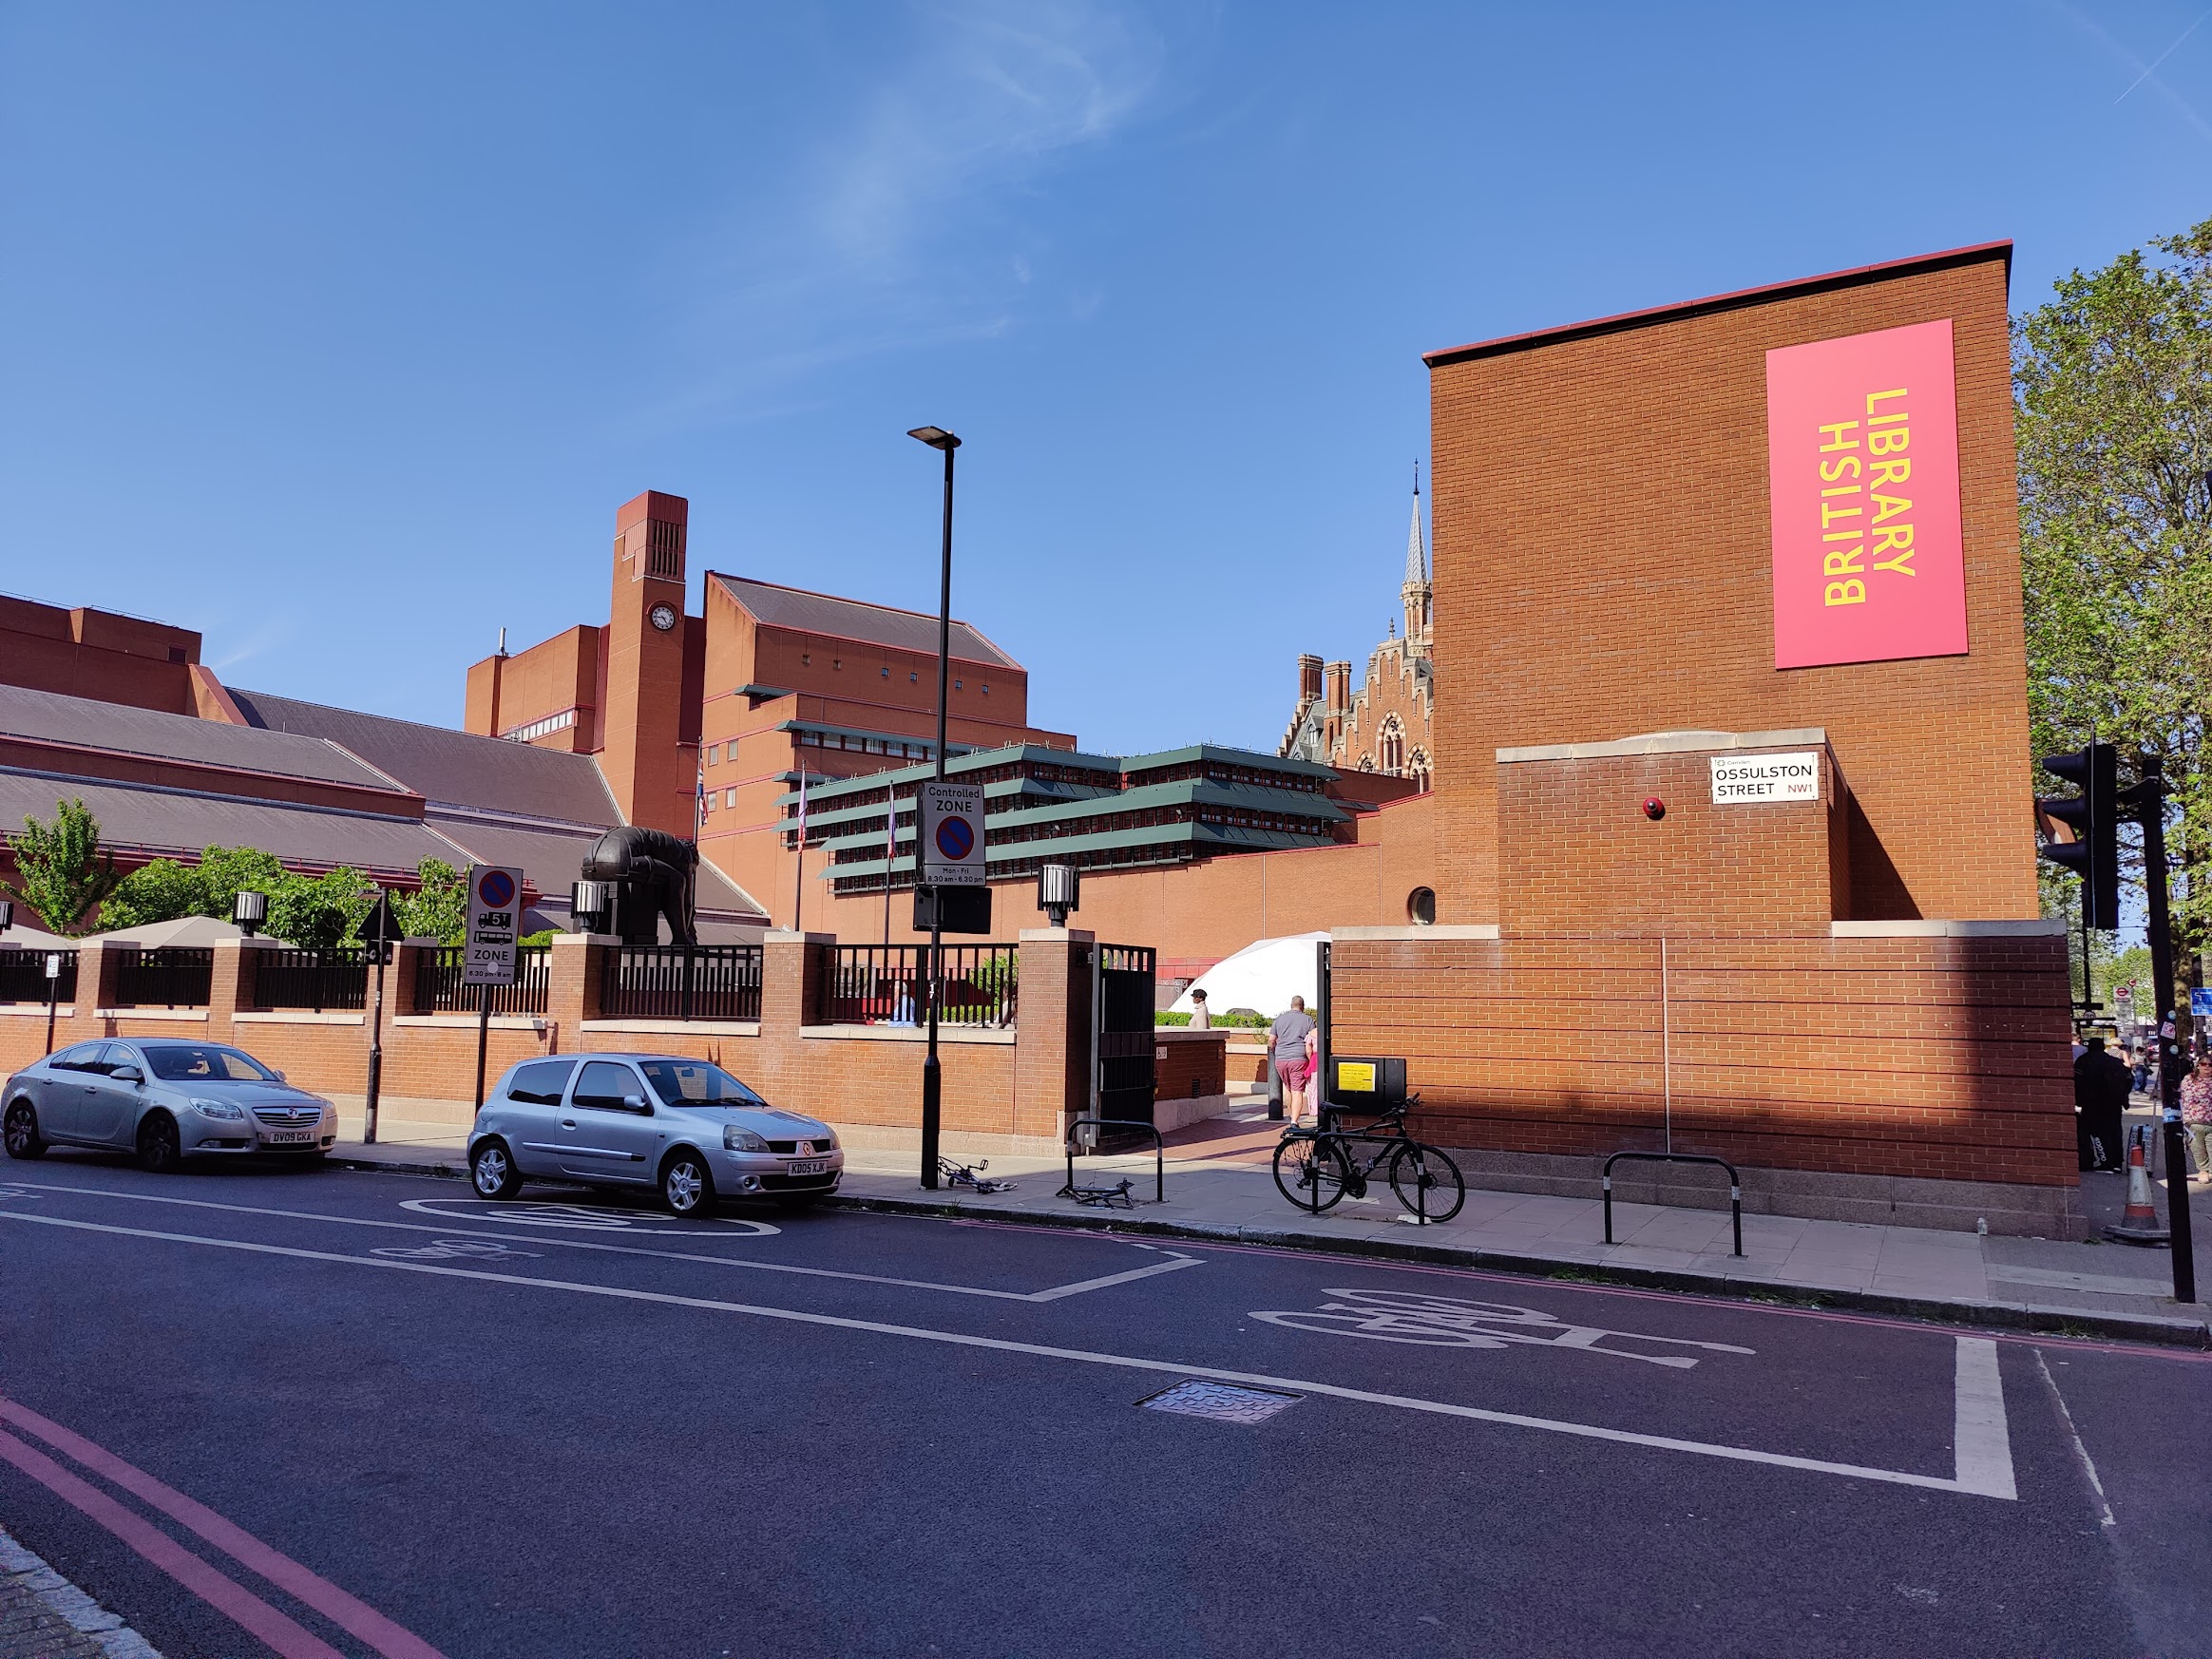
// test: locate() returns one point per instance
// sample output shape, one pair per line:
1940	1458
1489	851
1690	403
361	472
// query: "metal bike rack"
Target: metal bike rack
1108	1195
1735	1185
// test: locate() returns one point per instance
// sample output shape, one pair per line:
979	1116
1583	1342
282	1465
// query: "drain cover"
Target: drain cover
1222	1402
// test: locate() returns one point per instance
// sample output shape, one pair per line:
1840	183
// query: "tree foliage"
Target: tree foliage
2113	384
61	871
313	911
439	907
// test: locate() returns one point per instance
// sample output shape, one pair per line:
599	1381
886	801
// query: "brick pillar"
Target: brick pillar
230	983
1052	1041
572	995
99	965
790	979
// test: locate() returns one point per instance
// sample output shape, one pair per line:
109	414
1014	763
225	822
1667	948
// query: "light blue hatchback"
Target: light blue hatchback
684	1126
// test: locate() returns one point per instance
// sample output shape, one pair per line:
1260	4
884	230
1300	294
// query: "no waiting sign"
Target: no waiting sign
495	920
951	829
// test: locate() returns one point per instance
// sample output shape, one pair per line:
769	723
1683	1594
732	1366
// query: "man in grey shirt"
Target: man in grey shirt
1291	1047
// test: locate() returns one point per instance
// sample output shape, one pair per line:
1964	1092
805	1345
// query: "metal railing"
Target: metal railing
320	980
886	984
23	976
173	977
439	987
678	982
1735	1185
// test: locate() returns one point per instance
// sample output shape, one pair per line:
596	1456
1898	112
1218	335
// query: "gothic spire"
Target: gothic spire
1416	557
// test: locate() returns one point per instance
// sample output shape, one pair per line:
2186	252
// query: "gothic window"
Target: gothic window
1367	763
1418	766
1392	747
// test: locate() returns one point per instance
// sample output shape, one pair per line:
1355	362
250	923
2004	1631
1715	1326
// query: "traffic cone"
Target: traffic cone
2139	1224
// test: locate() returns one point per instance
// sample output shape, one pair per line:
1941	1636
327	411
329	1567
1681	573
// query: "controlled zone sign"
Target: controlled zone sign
951	834
1758	779
495	921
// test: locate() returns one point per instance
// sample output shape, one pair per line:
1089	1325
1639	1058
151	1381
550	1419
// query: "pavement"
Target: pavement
1219	1184
359	1413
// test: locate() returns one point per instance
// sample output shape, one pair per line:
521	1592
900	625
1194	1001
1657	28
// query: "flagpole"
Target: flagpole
890	853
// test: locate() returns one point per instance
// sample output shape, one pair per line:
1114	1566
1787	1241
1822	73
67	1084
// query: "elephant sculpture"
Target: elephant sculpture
656	876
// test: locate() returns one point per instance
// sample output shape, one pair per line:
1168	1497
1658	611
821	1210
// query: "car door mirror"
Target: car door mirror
636	1103
128	1075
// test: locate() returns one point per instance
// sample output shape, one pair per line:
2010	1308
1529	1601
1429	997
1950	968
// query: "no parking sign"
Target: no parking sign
495	917
951	825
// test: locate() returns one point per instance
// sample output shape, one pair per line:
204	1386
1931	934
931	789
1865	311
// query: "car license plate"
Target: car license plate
288	1137
809	1167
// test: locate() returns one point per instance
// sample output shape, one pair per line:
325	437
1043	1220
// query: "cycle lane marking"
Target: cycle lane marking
1404	1316
1982	1447
1052	1294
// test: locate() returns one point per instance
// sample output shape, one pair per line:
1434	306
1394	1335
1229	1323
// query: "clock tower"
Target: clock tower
640	715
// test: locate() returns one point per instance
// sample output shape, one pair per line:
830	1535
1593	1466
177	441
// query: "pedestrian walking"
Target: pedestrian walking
2196	1116
2100	1086
1201	1016
1293	1040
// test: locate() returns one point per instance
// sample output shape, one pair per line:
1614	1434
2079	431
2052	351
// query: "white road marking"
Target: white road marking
1984	1450
1448	1322
572	1244
587	1217
2105	1517
1989	1474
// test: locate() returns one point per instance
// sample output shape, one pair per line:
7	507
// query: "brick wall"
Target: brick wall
1577	850
1942	1058
1603	568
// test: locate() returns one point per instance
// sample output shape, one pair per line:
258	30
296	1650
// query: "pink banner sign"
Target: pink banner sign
1862	463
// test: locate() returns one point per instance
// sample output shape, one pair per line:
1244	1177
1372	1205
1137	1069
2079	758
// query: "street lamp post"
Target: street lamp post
932	1076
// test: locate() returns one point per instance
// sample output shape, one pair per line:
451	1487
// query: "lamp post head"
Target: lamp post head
249	911
936	437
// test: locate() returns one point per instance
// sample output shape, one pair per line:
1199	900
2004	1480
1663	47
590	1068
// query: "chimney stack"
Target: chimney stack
1339	688
1308	678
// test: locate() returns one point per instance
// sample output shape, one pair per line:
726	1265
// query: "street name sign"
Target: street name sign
1766	778
951	833
495	920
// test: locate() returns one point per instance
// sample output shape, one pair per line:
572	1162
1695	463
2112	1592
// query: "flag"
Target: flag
802	808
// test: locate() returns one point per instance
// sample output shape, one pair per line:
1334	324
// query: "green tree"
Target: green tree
160	892
227	871
61	871
318	913
2113	384
440	908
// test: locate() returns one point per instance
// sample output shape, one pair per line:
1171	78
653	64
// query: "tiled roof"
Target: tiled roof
820	613
121	729
443	764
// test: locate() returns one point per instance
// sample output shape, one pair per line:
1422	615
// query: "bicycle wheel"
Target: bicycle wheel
1426	1182
1310	1171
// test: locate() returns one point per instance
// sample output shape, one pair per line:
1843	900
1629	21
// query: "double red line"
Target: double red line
280	1633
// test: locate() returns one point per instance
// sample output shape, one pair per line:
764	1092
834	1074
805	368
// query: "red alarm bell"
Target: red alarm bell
1654	808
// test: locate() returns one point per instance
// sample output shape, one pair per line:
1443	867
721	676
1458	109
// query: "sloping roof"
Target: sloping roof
138	819
443	764
121	728
821	613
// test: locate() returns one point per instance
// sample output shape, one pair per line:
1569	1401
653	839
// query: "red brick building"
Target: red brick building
1849	988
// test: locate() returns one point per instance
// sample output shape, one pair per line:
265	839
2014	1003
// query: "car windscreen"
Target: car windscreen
697	1083
206	1062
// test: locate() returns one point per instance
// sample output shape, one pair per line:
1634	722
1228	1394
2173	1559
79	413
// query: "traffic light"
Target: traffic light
2082	832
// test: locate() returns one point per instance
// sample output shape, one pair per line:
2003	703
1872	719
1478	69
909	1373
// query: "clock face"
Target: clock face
663	617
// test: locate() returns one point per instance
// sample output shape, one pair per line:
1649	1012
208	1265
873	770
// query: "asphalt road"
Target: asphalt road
367	1414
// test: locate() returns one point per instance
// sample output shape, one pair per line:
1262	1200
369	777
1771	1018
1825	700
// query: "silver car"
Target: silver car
165	1100
684	1126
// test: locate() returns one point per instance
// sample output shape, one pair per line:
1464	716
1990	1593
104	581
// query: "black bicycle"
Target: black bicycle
1316	1169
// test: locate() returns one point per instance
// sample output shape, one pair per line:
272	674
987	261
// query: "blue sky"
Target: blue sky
339	333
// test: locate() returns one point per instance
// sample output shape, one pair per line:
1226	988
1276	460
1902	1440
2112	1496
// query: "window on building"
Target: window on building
713	753
728	797
1421	906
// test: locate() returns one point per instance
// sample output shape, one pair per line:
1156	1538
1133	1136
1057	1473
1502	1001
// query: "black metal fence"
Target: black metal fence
440	988
173	977
23	976
320	980
887	984
678	982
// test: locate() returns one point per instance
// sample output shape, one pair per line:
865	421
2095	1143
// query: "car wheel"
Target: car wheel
158	1148
24	1140
492	1171
686	1187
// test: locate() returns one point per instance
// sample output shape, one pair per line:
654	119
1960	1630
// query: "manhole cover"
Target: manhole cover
1222	1402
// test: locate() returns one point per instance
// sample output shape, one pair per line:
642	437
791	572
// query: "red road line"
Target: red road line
280	1634
357	1618
1532	1277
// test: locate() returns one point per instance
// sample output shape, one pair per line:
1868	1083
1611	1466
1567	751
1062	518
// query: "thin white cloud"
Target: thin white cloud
2143	72
902	228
